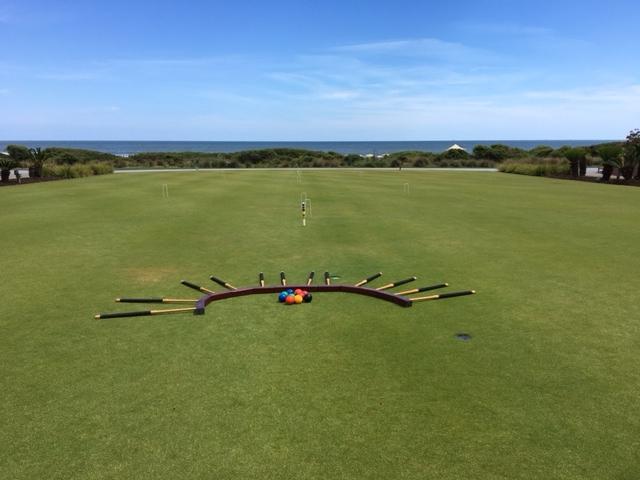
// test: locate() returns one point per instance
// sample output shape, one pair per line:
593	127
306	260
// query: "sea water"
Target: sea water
362	147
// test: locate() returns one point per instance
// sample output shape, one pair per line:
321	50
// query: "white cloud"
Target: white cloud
433	48
400	89
621	94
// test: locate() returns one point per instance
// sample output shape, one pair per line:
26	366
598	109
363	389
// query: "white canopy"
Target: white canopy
455	146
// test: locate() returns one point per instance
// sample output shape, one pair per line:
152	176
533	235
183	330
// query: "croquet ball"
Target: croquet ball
290	299
307	298
282	297
298	298
289	291
298	291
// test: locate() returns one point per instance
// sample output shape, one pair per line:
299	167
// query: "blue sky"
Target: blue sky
323	70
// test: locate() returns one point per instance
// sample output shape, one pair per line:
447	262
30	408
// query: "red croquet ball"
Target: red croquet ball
298	291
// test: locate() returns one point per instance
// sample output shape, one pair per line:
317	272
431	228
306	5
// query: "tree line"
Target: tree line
621	158
541	160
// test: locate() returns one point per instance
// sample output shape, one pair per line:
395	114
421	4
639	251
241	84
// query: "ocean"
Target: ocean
363	147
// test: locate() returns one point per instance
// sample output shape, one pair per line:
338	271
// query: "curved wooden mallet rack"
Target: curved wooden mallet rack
200	304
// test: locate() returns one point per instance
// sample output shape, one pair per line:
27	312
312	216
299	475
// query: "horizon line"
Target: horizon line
324	141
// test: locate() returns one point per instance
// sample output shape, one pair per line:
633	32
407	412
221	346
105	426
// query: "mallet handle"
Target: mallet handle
139	300
261	279
443	295
196	287
143	313
156	300
368	279
123	314
310	278
396	284
222	283
283	279
423	289
327	278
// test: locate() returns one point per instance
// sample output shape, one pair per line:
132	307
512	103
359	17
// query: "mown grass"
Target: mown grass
344	387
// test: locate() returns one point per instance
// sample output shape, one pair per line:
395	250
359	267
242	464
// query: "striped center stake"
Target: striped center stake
443	296
196	287
222	283
310	278
368	279
261	279
144	313
423	289
283	279
156	300
396	284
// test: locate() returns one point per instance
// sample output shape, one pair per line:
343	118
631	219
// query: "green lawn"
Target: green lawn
344	387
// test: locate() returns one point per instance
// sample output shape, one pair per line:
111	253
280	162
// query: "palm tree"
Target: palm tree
632	152
6	164
578	161
37	157
610	155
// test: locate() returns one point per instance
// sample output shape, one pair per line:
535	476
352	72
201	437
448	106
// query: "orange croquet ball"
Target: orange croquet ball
298	298
290	300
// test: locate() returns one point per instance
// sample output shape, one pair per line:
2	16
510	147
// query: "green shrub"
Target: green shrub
101	168
19	153
76	170
454	154
497	152
541	151
548	167
7	162
79	170
77	155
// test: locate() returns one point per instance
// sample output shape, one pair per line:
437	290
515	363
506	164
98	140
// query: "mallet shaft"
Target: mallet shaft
222	283
156	300
283	279
443	296
368	279
143	313
261	279
196	287
423	289
396	284
310	278
327	278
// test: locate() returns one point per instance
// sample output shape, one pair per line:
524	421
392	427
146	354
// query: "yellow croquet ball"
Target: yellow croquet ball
298	298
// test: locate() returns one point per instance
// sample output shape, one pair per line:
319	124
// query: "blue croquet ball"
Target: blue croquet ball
289	291
282	297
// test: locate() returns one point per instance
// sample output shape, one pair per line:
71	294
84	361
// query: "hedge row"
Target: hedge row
541	168
76	170
482	156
